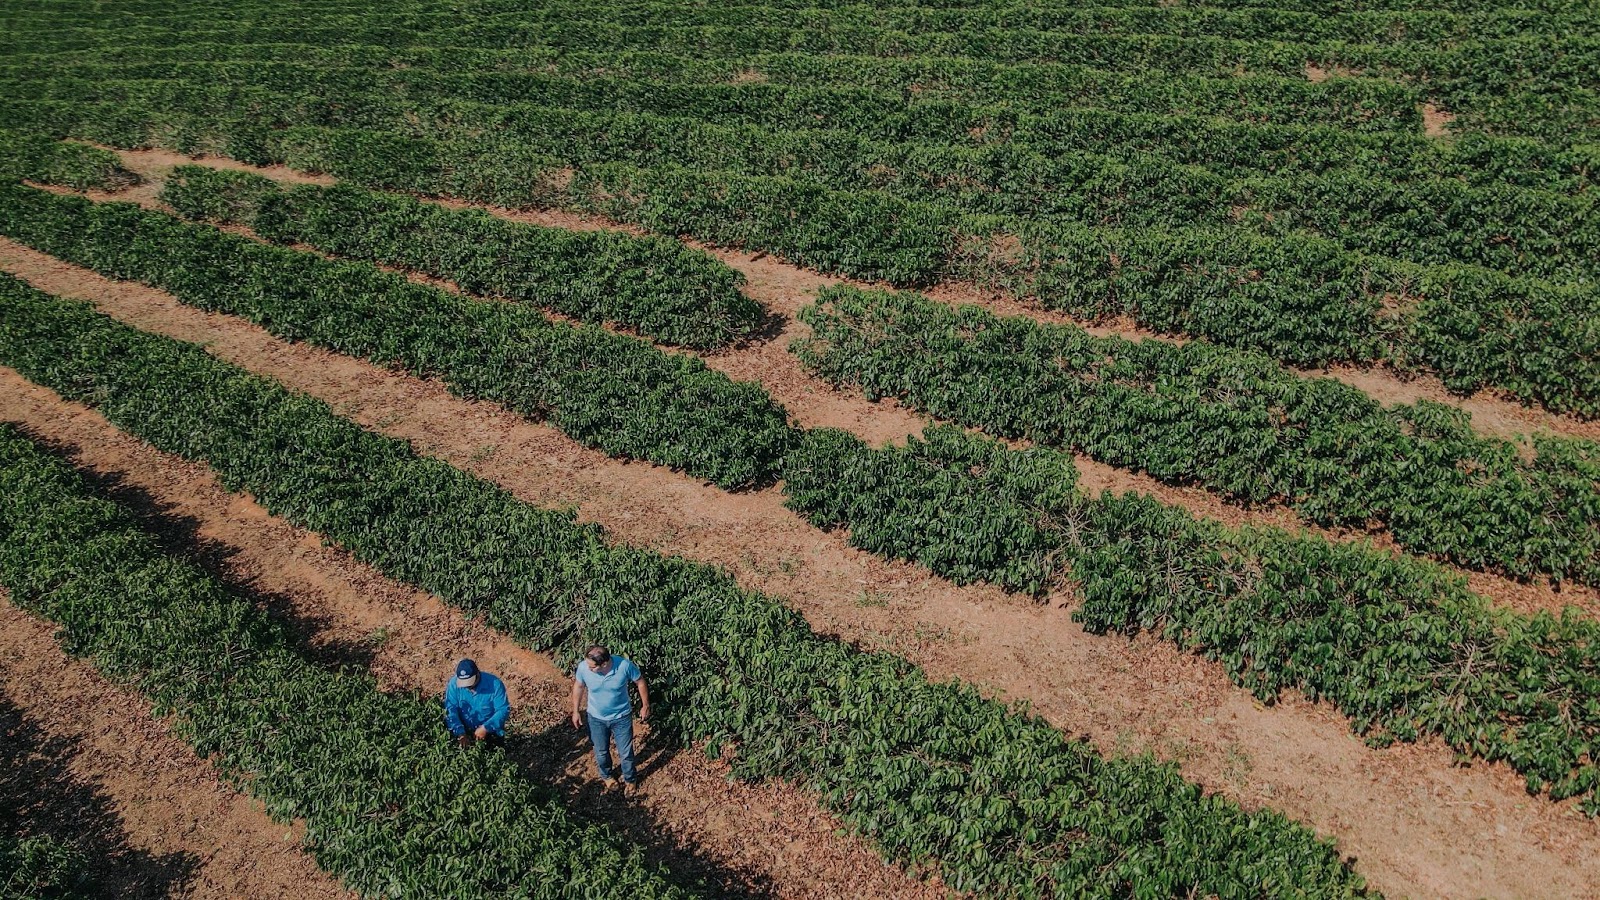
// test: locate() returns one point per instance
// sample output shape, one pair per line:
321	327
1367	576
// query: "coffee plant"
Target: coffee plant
40	867
607	390
932	772
1400	647
36	158
1311	265
1236	423
655	286
390	805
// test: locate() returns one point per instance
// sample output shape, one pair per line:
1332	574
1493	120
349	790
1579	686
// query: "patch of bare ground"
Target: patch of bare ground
1316	74
185	832
1436	121
1417	823
785	288
768	839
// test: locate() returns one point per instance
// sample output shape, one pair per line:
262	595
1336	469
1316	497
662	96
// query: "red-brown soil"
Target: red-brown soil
188	833
1436	121
1417	823
766	839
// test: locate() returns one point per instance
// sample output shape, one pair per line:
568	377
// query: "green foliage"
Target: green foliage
609	391
41	868
1233	422
969	510
933	773
1400	647
391	805
1316	245
652	285
40	159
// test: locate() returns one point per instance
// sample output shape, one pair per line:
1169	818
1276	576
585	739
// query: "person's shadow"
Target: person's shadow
40	797
560	756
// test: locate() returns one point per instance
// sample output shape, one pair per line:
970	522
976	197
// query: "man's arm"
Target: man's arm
644	699
578	692
502	709
452	716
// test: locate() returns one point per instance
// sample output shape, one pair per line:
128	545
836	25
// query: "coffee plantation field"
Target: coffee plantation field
1121	449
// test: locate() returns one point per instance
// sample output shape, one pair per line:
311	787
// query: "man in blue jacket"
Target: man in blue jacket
476	706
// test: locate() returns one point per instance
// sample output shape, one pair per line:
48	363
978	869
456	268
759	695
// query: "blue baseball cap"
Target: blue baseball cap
467	673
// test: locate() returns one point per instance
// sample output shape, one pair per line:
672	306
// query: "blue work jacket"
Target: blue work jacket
467	708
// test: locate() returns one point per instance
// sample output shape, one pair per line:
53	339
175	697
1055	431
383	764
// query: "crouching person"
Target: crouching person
476	706
603	680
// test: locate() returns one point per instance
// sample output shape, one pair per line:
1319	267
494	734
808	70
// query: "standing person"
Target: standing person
604	679
476	706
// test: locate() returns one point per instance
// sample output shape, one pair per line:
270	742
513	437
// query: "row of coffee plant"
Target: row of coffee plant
933	773
1451	323
1249	428
1085	109
1449	64
1402	649
1382	27
390	805
1543	77
652	285
1433	221
1301	299
610	391
742	129
1235	423
1379	27
37	158
992	92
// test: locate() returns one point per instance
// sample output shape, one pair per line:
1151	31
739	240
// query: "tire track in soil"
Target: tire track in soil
813	403
1416	822
170	802
765	840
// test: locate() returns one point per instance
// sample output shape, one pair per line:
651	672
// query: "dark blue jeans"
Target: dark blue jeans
602	733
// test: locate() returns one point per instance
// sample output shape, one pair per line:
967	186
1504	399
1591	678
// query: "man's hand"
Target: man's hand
481	734
644	712
464	740
577	719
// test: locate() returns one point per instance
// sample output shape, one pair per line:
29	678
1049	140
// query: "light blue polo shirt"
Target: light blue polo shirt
608	693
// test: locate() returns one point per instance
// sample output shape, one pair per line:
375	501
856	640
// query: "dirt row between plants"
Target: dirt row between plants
764	840
813	403
1417	823
179	830
785	288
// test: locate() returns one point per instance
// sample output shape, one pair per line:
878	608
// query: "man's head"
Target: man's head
599	658
466	674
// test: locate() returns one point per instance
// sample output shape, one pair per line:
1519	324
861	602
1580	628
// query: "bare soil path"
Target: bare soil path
180	830
1418	824
768	840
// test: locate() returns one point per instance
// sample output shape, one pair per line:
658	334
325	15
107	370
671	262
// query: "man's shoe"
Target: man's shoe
607	784
631	789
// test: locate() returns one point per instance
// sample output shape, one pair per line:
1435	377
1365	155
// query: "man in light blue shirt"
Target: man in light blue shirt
476	706
603	679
